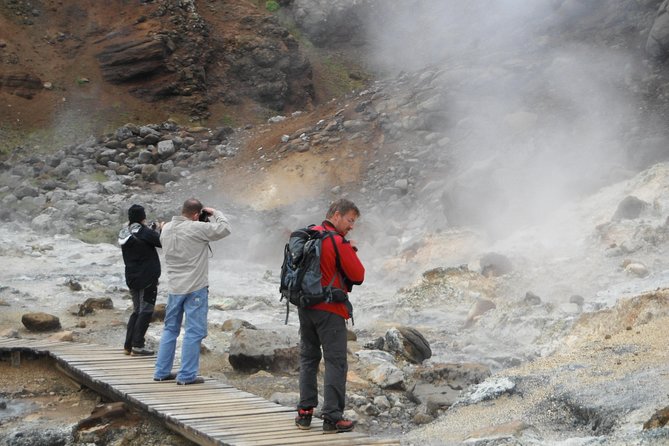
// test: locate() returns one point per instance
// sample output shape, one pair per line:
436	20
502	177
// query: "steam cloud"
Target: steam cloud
536	114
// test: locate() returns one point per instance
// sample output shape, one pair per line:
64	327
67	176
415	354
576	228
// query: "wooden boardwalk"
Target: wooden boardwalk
212	413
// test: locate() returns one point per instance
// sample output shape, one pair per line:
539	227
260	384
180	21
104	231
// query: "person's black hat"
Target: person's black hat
136	214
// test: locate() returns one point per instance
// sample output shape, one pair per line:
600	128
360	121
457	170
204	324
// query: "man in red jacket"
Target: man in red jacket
324	325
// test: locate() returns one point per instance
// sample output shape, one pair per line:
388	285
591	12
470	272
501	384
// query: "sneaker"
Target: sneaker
126	351
197	380
170	377
303	418
137	351
333	427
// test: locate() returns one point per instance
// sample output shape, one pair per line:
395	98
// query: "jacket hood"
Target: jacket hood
127	231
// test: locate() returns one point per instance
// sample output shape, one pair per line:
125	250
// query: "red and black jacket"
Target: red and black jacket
350	271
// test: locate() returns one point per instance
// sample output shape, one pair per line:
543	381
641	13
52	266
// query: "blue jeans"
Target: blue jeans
195	306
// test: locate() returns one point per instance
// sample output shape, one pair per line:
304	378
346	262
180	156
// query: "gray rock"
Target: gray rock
658	38
375	357
40	322
630	208
273	350
489	389
387	376
24	191
236	324
285	399
166	148
113	187
494	264
408	343
91	304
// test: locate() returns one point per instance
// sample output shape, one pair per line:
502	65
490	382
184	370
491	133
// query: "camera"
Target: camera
153	225
204	215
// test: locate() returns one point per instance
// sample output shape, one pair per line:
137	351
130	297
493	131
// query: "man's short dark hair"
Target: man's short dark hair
191	206
343	206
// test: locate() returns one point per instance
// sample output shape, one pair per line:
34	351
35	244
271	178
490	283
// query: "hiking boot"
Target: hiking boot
197	380
303	418
334	427
137	351
170	377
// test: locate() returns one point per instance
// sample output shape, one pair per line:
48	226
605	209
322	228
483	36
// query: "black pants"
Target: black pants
322	329
143	302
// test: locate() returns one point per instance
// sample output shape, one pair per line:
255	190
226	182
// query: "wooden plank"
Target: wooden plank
219	400
299	437
277	429
232	409
185	406
116	366
89	359
186	417
233	422
170	387
295	436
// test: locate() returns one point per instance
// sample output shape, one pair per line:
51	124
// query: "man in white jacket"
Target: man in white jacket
185	242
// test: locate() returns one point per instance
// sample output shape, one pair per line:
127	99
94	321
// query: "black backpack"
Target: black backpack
301	270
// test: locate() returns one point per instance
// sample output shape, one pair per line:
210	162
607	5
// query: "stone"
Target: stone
489	389
270	350
387	376
495	265
40	322
478	308
63	336
630	208
236	324
91	304
409	343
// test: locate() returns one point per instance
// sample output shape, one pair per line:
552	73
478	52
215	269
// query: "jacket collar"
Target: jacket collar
328	226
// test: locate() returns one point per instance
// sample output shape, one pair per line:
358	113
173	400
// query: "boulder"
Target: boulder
409	343
630	208
91	304
480	307
387	376
493	264
658	38
39	322
440	386
236	324
271	350
489	389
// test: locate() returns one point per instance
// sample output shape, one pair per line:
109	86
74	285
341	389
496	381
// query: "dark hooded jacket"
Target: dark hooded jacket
142	264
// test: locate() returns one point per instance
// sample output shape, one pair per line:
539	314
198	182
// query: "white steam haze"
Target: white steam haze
534	117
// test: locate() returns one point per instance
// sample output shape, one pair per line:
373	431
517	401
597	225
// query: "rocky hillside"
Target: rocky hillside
71	69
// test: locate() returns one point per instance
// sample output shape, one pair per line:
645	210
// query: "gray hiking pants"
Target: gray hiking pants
327	330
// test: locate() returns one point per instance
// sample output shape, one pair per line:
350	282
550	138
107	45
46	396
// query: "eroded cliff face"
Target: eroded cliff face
103	62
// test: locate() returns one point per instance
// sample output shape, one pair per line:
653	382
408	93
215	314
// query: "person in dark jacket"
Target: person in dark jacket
323	325
142	270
